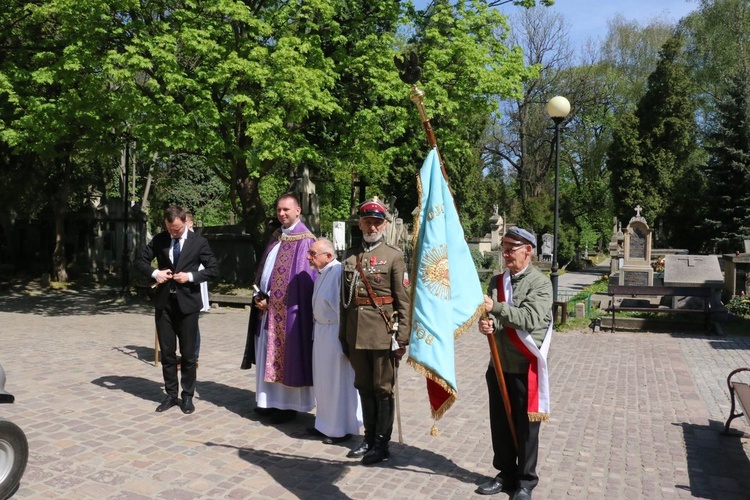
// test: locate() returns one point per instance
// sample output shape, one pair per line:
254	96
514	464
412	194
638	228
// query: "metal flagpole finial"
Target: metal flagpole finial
417	97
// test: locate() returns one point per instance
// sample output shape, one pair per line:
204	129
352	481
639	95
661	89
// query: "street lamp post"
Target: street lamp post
557	108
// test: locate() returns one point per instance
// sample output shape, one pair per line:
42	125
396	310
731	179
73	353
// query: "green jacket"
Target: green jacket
532	311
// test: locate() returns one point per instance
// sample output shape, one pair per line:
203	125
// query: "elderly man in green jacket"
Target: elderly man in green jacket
519	307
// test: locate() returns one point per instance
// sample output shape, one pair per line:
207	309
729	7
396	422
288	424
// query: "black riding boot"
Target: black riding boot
369	418
383	429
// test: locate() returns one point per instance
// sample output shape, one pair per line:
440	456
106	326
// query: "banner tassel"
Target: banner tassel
434	430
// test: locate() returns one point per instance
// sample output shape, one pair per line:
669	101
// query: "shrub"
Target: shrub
477	257
739	306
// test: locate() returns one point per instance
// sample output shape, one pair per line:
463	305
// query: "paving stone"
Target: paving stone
634	415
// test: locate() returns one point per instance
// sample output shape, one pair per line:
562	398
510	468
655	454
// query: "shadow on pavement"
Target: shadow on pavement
237	400
137	386
71	302
141	353
715	462
280	466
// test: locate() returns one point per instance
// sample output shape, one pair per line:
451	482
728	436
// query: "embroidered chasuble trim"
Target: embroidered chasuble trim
280	278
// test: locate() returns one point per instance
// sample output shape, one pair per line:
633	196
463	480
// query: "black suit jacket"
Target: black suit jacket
195	251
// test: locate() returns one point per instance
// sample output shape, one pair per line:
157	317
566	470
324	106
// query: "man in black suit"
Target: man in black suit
177	299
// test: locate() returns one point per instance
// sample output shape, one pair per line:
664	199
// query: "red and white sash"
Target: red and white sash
538	376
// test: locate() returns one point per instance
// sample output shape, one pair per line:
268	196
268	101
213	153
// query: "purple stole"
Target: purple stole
290	319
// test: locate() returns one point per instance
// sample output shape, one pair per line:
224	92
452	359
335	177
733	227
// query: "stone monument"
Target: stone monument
339	236
497	229
616	251
304	188
736	273
548	242
636	268
394	231
694	271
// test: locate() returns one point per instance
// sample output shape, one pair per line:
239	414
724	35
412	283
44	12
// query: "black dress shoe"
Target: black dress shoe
168	403
360	450
335	440
283	416
375	455
187	405
264	412
492	487
522	494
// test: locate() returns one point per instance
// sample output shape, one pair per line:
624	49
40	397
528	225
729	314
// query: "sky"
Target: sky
588	18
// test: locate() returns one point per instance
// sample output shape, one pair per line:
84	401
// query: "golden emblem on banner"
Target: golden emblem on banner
435	272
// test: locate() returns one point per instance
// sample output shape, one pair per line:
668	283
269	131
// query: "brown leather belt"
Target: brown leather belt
365	301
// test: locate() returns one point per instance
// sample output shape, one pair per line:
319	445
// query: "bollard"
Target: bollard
596	325
580	310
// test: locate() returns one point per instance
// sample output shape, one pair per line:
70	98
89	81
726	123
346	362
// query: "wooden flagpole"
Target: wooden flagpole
409	71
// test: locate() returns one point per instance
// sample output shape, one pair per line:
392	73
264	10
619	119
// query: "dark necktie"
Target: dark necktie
176	251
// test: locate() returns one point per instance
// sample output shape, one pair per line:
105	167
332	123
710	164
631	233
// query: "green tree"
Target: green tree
58	114
727	208
654	148
467	67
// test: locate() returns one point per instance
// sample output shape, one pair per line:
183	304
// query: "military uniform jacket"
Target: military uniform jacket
362	326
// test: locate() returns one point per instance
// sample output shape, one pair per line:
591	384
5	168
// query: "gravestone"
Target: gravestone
636	268
747	246
395	227
548	242
616	252
339	236
693	271
736	272
497	229
304	188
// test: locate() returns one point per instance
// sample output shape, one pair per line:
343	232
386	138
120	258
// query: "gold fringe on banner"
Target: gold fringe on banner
538	417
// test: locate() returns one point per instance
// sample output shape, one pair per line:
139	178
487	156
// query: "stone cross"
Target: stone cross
362	185
691	260
638	209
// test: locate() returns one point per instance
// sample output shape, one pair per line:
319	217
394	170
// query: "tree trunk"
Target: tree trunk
60	208
59	261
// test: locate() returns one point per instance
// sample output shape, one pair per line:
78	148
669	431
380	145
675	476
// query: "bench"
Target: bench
233	300
660	291
738	391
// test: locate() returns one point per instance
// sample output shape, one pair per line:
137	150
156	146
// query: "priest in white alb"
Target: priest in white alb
339	411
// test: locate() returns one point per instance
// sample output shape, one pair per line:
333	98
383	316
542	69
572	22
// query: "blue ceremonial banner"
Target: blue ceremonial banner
447	297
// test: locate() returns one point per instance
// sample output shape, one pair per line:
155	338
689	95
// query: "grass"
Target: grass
230	289
599	286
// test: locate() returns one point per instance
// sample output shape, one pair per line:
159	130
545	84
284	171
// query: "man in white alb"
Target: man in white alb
339	413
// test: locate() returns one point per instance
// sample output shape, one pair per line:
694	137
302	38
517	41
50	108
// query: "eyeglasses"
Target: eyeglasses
312	253
510	250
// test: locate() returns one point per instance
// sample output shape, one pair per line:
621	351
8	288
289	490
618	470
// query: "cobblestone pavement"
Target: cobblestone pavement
634	415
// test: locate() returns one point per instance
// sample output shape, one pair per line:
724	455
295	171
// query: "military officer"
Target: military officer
374	328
